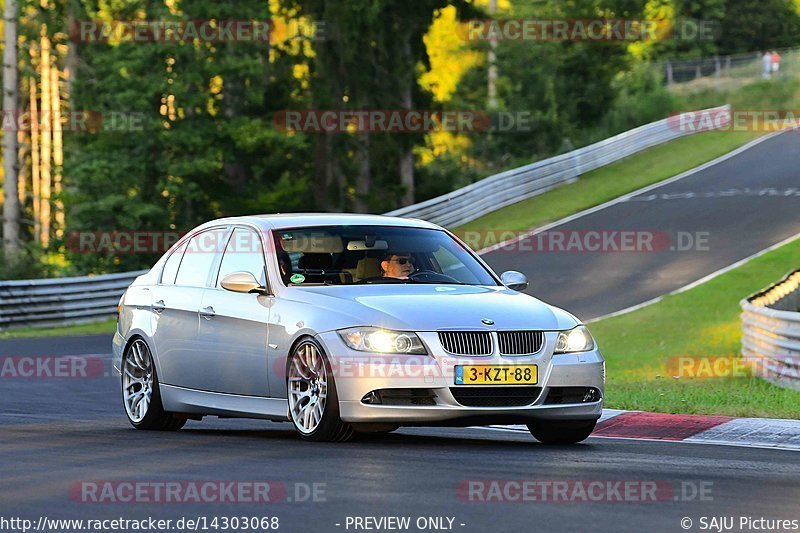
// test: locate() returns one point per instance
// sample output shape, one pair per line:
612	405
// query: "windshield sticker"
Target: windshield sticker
297	278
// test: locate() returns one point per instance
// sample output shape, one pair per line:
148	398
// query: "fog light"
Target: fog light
592	395
371	397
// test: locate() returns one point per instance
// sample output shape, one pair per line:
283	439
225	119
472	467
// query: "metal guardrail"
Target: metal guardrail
771	332
495	192
68	301
61	301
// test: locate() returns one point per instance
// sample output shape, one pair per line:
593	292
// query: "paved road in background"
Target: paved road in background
741	206
57	433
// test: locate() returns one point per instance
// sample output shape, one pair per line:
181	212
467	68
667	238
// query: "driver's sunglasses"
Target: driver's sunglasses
404	260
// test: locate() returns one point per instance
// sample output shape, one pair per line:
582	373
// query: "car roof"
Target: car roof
300	220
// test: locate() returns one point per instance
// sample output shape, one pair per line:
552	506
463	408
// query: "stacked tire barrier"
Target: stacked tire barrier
61	301
495	192
771	332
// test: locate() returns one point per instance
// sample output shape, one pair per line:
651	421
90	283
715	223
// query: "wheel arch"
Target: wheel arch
296	342
138	334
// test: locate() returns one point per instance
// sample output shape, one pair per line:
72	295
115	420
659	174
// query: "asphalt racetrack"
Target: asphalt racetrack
686	230
60	436
57	434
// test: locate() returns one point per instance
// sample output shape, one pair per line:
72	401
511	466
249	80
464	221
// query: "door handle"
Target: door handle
159	306
207	313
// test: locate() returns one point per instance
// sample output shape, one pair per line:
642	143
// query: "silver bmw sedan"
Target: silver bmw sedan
347	324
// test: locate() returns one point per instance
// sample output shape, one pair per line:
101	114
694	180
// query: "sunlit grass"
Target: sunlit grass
650	166
91	328
607	183
703	321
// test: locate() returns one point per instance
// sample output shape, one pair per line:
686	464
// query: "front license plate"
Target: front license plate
496	375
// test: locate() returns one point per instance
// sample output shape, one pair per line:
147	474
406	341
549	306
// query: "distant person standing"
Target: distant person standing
776	62
767	60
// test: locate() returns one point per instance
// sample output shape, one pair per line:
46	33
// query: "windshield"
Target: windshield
350	255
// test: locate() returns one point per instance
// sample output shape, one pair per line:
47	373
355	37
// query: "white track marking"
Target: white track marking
761	433
625	197
700	281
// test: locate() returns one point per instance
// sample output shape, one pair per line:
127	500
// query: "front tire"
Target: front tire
313	401
562	431
140	391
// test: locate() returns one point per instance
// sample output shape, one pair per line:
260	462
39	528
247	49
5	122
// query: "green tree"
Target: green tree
751	25
371	58
205	145
563	89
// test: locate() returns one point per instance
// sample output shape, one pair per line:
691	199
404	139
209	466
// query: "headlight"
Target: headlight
382	341
575	340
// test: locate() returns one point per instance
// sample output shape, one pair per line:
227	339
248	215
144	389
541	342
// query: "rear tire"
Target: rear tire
562	431
141	395
313	401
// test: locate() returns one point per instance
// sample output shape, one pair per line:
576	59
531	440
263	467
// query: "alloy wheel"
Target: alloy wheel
137	380
308	388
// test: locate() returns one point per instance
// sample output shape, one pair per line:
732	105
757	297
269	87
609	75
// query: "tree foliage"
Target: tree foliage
180	132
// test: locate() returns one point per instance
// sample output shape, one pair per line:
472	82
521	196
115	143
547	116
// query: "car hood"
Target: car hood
435	307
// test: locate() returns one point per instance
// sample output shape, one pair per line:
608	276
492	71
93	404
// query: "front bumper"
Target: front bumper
358	373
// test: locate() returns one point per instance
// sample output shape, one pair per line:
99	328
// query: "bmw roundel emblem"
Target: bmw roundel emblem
487	321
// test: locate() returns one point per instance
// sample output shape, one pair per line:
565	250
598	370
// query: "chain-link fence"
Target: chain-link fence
721	71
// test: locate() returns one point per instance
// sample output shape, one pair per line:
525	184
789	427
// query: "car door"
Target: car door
176	305
233	325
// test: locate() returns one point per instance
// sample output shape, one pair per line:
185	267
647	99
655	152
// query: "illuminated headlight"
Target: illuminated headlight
575	340
382	341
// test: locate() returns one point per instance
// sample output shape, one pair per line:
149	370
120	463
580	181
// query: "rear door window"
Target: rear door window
201	251
172	264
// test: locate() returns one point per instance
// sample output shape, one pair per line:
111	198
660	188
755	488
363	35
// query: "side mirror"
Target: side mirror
516	281
242	282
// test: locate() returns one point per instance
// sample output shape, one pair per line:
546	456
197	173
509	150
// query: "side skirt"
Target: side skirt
191	401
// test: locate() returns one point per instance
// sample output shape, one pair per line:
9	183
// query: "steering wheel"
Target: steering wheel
432	276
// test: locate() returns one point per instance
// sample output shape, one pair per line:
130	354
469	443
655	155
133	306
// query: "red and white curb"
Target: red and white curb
771	433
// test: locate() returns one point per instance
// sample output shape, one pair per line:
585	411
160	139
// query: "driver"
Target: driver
397	265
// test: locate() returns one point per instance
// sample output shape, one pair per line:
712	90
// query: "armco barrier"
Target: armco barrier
495	192
61	301
67	301
771	331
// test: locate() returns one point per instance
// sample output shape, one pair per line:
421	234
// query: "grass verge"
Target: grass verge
609	182
92	328
650	166
701	322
